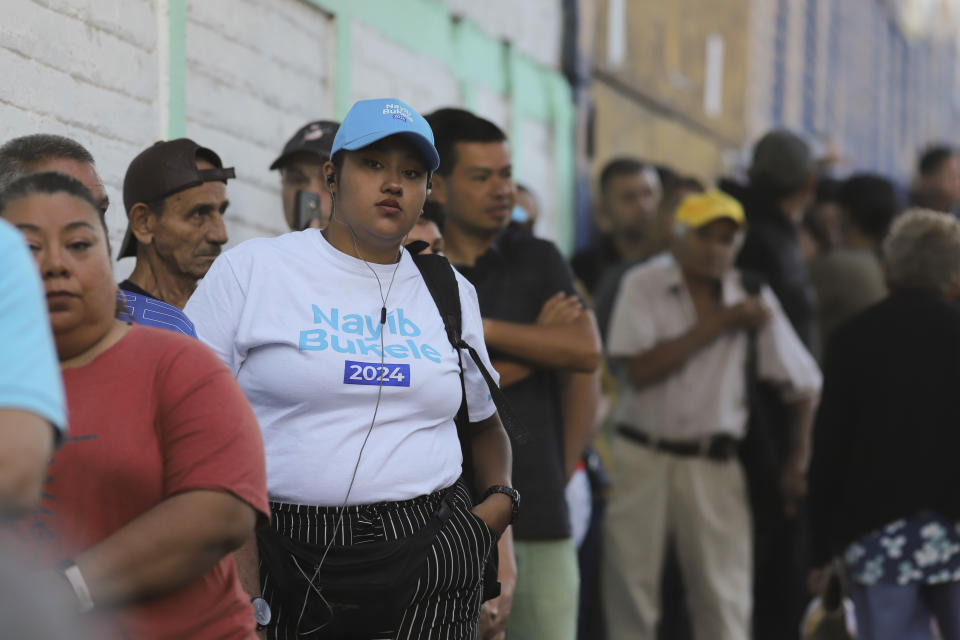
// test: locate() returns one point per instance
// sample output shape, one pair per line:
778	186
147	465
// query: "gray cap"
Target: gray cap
782	160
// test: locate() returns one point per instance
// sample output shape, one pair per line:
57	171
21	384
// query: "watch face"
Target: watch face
261	611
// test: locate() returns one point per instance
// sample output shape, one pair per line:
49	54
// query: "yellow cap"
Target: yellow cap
698	209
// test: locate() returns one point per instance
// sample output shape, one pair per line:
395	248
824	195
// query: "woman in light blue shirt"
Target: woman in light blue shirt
31	391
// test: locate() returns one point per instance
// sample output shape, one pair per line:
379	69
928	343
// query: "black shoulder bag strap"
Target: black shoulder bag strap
752	283
758	450
441	281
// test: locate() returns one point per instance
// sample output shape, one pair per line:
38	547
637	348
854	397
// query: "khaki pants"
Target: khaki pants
703	505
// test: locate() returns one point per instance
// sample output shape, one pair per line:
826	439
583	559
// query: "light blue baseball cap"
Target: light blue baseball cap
372	120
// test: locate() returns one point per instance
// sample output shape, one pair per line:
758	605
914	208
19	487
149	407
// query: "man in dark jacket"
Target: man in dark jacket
782	185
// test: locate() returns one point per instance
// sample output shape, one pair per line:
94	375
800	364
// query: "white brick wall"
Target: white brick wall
86	70
252	80
535	27
256	71
537	172
384	69
492	106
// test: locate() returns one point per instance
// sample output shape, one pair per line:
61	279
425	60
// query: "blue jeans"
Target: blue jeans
892	612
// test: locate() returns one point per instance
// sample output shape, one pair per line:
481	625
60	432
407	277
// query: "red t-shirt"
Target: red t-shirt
155	415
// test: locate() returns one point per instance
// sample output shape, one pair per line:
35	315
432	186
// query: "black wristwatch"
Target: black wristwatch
511	493
261	612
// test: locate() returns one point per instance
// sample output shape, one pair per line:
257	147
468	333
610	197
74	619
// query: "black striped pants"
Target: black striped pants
446	601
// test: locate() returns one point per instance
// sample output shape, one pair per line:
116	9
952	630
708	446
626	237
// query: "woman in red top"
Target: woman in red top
162	474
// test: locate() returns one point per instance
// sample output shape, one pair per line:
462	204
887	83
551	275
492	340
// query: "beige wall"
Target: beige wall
652	105
624	127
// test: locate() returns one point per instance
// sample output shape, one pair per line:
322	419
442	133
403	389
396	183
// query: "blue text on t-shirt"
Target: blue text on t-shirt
353	333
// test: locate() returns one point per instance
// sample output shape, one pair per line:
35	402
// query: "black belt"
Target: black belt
720	447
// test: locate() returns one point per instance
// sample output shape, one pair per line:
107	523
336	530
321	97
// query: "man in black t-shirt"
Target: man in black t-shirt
536	330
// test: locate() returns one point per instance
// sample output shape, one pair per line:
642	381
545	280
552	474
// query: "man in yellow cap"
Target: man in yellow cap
684	328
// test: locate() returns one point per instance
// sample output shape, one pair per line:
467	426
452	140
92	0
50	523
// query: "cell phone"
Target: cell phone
306	207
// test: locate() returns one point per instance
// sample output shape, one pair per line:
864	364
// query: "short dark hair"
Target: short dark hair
18	155
622	166
665	173
827	189
451	126
871	201
48	183
433	212
933	158
679	182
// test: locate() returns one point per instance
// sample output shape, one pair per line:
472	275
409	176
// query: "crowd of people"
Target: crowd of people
411	417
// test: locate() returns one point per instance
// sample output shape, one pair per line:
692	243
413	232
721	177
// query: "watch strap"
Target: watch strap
73	575
511	493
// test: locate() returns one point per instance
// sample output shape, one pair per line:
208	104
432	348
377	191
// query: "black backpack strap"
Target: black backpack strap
441	280
751	281
758	448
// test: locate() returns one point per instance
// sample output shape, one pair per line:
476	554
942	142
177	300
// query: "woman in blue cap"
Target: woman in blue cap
337	342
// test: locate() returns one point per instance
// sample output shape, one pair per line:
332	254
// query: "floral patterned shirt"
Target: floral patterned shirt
923	549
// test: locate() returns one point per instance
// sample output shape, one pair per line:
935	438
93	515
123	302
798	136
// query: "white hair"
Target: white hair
923	251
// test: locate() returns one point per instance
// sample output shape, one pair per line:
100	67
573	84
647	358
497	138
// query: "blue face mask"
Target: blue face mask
519	214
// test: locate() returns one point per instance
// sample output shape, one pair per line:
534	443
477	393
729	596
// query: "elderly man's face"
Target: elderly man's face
709	251
188	235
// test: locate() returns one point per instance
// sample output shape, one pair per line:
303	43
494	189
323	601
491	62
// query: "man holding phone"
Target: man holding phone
306	201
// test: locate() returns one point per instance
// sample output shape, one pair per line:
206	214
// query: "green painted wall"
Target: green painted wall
177	107
474	57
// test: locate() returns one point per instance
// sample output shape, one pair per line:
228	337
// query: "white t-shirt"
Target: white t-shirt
298	323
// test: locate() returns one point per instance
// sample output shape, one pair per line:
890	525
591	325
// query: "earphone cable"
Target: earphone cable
373	420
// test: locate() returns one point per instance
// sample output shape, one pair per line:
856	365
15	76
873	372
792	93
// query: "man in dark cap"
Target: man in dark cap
175	194
301	171
782	186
